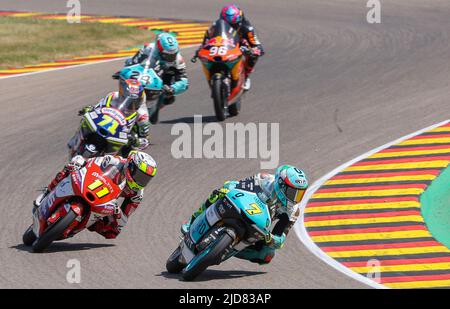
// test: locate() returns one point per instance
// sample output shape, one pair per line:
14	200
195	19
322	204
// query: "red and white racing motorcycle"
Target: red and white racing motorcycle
80	200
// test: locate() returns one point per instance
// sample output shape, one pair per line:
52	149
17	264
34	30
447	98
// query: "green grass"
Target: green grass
435	207
27	41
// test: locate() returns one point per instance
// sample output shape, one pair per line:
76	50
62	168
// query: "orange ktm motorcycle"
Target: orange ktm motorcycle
223	60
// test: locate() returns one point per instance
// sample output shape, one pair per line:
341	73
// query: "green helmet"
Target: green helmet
290	184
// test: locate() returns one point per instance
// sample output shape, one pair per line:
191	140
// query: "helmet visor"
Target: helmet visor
138	176
294	195
169	57
128	105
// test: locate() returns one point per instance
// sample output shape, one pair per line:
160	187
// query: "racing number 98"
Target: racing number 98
221	51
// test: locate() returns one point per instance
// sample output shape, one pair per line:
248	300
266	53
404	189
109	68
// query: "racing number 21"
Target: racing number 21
101	193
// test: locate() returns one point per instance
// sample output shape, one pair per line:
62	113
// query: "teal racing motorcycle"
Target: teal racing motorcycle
230	225
148	74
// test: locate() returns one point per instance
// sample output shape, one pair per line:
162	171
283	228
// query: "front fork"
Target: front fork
214	235
61	212
226	82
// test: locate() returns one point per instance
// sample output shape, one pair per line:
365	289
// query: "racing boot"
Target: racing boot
247	84
261	256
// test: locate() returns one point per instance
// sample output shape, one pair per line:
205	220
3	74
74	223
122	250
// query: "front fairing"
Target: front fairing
203	223
253	208
148	73
109	124
237	205
222	47
99	191
59	194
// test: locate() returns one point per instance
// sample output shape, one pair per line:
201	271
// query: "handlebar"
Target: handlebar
246	50
195	57
116	75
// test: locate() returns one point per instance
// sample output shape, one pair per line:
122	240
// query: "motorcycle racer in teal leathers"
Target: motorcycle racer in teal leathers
281	192
173	68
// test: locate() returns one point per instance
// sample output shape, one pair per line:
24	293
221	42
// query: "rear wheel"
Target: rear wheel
29	237
154	114
209	256
173	264
219	97
234	108
53	232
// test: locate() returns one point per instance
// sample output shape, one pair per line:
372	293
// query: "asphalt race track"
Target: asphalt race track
337	85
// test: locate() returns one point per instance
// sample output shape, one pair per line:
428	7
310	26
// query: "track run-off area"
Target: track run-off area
188	33
366	214
337	86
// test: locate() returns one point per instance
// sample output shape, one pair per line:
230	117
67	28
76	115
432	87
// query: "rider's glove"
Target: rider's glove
75	164
85	110
116	75
275	241
168	91
143	128
142	143
194	58
256	51
217	194
223	191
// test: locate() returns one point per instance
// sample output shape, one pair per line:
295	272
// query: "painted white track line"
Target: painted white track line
300	228
74	66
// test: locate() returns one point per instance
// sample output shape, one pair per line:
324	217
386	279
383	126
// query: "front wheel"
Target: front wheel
53	232
173	264
29	237
209	256
219	97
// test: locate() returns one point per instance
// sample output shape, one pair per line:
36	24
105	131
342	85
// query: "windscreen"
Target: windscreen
112	171
229	36
126	105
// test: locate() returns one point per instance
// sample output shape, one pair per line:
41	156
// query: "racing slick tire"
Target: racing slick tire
173	264
219	98
53	232
29	237
211	255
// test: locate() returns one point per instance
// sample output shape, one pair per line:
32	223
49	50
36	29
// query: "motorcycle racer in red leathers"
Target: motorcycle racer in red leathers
137	170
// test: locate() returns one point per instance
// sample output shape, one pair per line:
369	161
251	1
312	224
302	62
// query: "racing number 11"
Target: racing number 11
101	193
